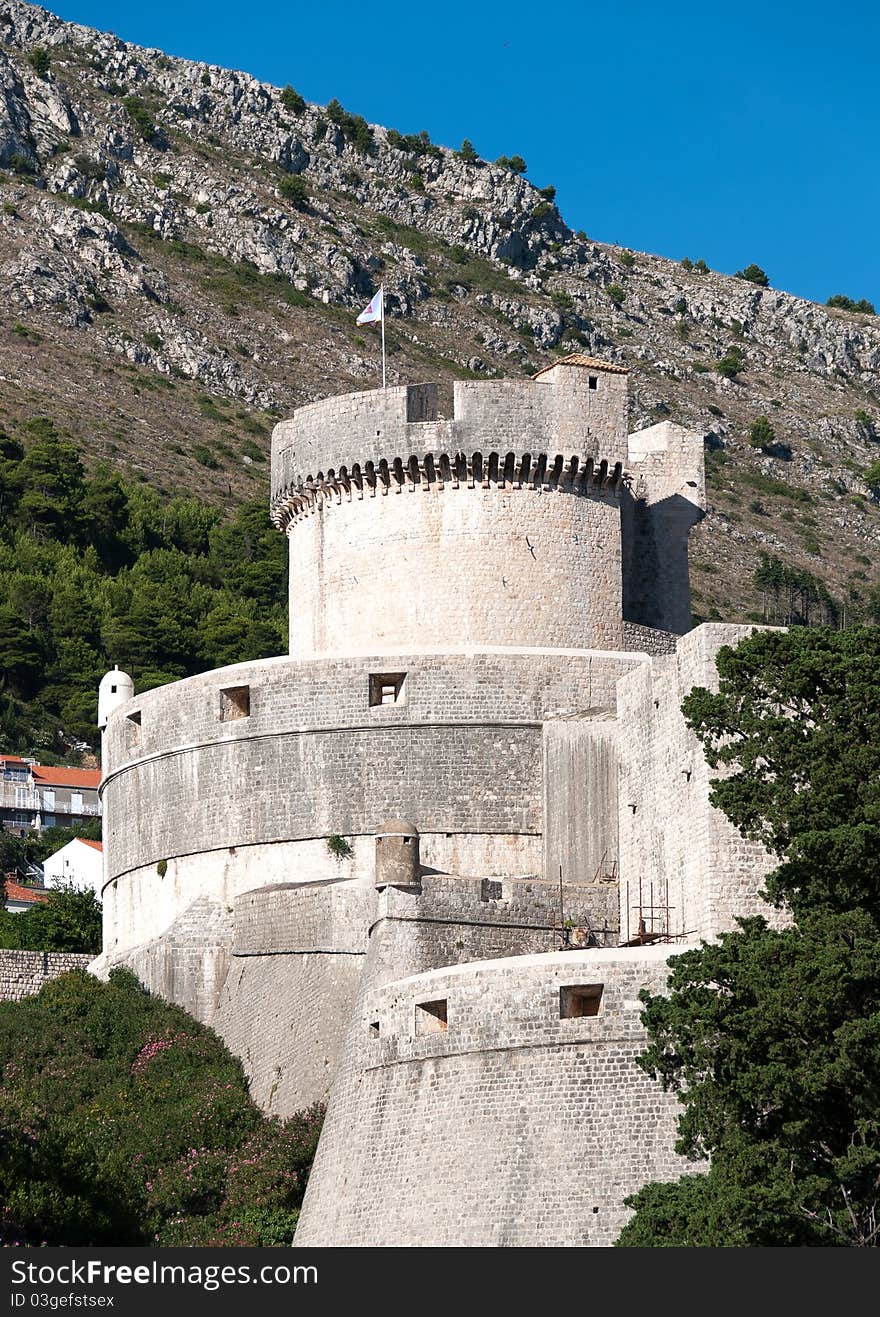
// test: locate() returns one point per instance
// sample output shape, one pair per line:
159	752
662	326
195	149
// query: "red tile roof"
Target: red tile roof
96	845
67	777
11	759
15	892
589	363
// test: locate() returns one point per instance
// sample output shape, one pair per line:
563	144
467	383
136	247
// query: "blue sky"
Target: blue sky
738	132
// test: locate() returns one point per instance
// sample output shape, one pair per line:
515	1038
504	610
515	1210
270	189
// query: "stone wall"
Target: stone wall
224	805
489	566
673	842
560	416
23	973
510	1126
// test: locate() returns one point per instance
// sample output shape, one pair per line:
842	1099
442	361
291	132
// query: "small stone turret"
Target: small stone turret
397	856
116	688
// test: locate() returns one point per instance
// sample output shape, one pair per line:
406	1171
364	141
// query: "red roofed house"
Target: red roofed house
80	863
20	898
35	796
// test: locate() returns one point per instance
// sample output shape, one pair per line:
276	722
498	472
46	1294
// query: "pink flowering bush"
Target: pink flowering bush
124	1121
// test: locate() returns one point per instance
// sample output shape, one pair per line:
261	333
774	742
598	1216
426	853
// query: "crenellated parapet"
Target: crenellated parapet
566	414
432	473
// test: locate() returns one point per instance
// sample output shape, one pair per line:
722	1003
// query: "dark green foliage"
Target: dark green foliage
139	113
701	267
731	363
761	433
514	163
847	304
543	210
627	259
291	100
773	1042
548	193
687	263
339	847
872	479
88	167
69	920
96	571
355	128
467	151
413	143
21	164
124	1122
796	727
293	188
616	293
753	274
39	60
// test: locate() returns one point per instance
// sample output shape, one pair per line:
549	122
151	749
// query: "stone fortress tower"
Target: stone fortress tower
400	867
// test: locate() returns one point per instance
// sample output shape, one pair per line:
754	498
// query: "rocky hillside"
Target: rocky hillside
183	251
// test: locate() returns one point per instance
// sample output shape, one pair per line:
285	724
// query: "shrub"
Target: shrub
681	307
355	128
761	433
616	293
561	299
701	267
687	263
141	1127
731	363
205	457
514	163
753	274
339	847
467	151
627	259
70	920
39	60
847	304
291	100
542	210
872	480
548	193
21	164
139	113
293	188
153	340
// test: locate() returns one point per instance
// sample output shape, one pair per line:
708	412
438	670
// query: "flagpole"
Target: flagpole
382	308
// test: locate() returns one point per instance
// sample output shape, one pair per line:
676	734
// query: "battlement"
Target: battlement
525	430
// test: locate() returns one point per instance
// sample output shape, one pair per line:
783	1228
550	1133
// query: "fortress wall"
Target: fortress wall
669	833
297	960
667	497
510	1127
415	566
580	799
450	683
23	973
449	778
455	920
520	416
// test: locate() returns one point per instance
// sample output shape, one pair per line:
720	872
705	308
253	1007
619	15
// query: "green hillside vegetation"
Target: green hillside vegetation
96	570
70	920
125	1122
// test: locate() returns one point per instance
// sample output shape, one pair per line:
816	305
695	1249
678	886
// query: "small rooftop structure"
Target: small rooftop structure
588	363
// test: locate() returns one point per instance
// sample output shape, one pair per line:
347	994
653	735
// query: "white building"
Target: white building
80	863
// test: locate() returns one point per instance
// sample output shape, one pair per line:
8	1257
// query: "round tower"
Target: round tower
500	526
397	856
116	688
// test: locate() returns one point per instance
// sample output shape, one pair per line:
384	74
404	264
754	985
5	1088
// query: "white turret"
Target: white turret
116	688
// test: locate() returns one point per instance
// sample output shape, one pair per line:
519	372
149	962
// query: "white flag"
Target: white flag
375	311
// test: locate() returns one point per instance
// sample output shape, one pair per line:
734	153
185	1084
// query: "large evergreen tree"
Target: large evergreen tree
771	1039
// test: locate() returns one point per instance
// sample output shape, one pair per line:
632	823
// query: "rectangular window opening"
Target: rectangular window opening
134	717
580	999
430	1017
374	1026
594	382
386	688
235	702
